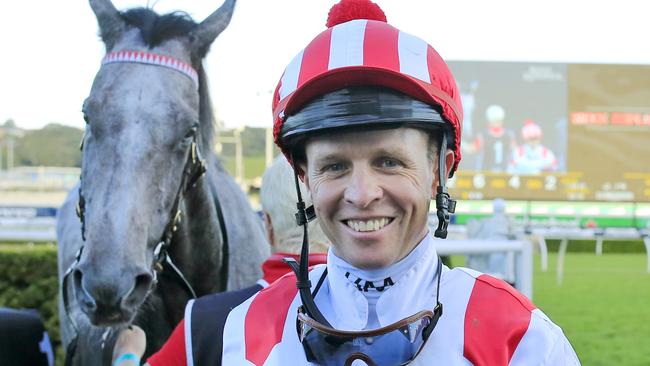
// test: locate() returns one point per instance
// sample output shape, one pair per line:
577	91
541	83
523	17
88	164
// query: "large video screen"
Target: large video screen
550	131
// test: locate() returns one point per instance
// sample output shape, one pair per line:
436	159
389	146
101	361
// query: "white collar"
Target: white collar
347	309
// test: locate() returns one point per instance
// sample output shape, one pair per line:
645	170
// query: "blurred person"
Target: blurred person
496	144
204	316
468	97
496	227
532	157
280	223
23	339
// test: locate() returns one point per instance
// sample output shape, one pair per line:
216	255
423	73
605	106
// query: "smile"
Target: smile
368	225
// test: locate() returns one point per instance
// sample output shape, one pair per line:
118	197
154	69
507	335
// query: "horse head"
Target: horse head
147	116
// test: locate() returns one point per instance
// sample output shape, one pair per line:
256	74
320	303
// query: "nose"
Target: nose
110	296
363	188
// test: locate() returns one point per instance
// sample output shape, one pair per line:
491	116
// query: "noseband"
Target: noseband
193	170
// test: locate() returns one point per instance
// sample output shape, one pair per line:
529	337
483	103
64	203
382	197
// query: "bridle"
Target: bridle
194	169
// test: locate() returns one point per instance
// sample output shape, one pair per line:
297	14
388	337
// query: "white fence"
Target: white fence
522	249
36	229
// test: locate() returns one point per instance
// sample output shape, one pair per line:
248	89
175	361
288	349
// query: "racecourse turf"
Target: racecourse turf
603	305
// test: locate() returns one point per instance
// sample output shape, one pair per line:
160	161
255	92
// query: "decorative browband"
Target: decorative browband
148	58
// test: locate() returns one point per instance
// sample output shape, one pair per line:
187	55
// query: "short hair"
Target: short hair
278	196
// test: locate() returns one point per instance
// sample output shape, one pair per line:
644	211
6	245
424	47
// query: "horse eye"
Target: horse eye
191	132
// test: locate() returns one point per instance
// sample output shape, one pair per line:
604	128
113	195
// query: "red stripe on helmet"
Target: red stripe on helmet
380	46
316	57
442	79
496	319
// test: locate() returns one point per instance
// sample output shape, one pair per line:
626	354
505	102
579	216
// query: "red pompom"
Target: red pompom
347	10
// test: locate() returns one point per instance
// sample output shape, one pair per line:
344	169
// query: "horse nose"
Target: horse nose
111	298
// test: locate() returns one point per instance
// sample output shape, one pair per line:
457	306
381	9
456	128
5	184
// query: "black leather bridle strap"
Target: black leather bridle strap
193	170
225	248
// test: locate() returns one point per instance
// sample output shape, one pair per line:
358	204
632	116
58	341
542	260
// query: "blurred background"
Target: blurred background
556	98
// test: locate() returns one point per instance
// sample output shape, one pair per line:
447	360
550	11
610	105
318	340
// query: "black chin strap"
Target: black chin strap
444	204
303	217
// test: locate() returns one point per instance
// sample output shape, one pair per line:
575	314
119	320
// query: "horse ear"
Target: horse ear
206	32
111	24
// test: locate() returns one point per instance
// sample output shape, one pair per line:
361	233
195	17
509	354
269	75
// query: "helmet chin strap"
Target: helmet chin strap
444	204
303	217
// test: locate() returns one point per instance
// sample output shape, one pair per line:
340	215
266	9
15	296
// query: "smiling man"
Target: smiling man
371	191
370	118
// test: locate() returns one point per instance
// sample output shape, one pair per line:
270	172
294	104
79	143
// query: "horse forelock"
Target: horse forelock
156	28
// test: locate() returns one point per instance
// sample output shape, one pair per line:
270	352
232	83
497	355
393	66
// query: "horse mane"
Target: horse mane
155	29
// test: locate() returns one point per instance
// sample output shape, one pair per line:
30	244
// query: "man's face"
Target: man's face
371	191
533	142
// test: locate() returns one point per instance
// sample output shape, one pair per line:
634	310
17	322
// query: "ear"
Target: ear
302	175
268	228
111	24
211	27
449	163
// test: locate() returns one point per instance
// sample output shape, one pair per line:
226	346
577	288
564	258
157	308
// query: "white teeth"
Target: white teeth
369	225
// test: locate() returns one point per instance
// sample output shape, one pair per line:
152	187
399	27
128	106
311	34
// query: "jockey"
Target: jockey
370	119
532	157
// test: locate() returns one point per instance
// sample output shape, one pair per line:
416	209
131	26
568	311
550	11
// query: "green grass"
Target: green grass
603	305
253	165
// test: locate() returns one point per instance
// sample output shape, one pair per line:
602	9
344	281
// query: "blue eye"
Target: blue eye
389	163
336	167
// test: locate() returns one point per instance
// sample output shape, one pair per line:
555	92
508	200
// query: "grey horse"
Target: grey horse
149	233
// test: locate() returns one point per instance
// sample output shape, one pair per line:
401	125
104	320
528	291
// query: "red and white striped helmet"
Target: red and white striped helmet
363	50
531	130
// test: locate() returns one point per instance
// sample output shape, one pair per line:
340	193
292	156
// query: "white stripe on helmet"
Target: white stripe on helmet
291	75
346	44
413	56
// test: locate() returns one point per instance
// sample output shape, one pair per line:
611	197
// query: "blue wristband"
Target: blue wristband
127	357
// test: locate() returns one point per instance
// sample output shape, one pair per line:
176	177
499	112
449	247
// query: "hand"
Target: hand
130	340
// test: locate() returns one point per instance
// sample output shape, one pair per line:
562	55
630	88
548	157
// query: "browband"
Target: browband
147	58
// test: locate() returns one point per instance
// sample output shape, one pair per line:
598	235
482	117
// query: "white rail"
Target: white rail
522	249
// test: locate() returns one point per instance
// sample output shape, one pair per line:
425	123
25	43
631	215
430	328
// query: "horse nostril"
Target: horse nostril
82	295
141	287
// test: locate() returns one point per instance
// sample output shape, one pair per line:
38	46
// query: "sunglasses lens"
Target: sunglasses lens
395	346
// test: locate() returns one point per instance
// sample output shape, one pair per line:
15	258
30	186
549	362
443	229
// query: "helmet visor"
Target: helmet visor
396	344
360	108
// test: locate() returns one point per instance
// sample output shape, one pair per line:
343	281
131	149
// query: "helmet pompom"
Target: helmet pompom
347	10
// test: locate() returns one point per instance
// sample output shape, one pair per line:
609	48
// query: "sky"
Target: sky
51	51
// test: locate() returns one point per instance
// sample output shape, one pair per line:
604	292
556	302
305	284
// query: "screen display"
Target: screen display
550	131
